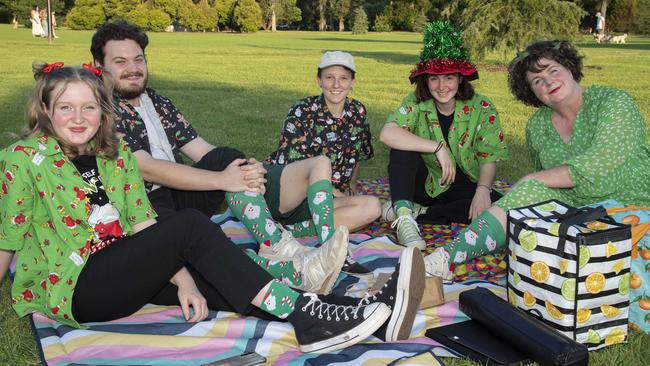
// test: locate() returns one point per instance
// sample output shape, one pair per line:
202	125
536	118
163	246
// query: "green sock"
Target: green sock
302	229
401	205
279	300
321	206
252	211
283	271
482	236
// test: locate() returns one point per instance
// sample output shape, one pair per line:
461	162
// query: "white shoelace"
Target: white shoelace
329	310
405	218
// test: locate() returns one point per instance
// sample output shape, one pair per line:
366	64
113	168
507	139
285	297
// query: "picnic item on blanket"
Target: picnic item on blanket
639	218
246	359
530	336
571	268
434	293
474	341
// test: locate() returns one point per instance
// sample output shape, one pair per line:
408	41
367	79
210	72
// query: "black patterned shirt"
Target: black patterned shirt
311	130
178	130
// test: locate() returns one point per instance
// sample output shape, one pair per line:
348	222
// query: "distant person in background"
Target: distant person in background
600	23
35	18
43	15
14	23
53	19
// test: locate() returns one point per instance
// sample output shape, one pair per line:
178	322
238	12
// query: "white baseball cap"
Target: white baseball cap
333	58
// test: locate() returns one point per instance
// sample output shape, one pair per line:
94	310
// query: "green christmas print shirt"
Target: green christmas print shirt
475	136
43	218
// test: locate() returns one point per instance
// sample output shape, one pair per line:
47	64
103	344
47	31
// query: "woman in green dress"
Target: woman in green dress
588	144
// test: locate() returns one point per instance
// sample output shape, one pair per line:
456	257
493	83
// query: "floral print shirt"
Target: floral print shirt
311	130
44	212
178	130
607	155
475	136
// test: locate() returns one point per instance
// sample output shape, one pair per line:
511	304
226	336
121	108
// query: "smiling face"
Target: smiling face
554	84
127	64
336	82
443	88
75	115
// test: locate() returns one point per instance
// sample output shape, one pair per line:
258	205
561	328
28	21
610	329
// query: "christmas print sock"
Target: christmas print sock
279	300
302	229
482	236
321	206
251	209
283	271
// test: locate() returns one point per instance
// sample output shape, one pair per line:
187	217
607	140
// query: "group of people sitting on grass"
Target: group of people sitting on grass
103	216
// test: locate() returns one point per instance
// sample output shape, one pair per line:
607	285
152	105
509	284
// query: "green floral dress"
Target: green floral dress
475	136
43	218
607	154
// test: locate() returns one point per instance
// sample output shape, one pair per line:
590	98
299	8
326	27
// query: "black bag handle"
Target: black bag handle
576	216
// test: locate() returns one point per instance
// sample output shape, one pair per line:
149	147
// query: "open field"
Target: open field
237	88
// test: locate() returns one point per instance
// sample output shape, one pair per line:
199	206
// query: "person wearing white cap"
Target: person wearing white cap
334	125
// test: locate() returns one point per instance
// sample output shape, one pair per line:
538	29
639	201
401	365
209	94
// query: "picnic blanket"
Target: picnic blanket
158	335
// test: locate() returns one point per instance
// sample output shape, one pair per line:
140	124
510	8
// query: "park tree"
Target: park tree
622	14
508	25
86	14
148	17
359	21
382	23
340	10
120	8
322	13
404	13
224	10
641	23
247	15
274	11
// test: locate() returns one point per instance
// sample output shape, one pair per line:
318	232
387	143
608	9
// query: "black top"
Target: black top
87	166
445	124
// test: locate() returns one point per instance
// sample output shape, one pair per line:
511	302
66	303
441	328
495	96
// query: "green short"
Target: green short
272	197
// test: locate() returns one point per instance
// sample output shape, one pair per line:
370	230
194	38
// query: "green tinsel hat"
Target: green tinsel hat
443	53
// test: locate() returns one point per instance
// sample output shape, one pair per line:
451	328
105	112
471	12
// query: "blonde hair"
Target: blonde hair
49	87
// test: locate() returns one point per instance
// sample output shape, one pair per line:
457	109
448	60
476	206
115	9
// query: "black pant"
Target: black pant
408	173
168	200
135	270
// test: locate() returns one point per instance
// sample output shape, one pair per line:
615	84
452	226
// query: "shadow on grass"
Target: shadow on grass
364	40
388	57
617	47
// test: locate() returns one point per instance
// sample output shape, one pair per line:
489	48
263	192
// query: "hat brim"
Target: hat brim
444	67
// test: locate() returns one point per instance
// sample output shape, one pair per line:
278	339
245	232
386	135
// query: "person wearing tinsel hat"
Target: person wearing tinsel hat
445	140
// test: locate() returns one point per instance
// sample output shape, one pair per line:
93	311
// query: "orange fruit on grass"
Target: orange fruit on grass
595	282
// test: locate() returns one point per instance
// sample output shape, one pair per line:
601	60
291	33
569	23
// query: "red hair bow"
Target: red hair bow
49	67
94	70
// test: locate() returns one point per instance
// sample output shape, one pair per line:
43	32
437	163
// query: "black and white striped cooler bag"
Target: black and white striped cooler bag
571	268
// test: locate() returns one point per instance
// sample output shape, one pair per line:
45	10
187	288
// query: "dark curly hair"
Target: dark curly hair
117	30
560	51
422	92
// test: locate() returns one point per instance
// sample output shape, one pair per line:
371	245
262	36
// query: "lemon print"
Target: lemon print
584	256
569	289
553	311
514	256
624	284
516	278
554	229
595	282
609	311
611	249
512	298
529	299
618	266
564	265
615	336
597	225
528	240
593	337
584	315
548	207
539	271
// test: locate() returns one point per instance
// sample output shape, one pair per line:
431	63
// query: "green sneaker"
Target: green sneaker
408	232
388	213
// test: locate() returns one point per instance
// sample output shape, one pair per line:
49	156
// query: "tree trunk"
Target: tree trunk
273	19
321	10
341	24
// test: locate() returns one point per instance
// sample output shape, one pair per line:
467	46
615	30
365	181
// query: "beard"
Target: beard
130	92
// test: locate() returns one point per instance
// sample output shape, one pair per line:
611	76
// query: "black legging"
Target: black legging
135	270
408	173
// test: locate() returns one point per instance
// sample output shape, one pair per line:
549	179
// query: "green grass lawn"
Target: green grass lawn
237	88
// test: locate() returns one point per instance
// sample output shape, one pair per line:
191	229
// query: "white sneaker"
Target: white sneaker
320	268
408	232
388	213
437	264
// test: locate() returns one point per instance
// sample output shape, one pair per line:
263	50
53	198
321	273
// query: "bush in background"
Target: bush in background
359	21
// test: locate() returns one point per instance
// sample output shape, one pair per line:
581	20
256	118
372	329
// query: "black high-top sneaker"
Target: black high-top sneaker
322	327
402	293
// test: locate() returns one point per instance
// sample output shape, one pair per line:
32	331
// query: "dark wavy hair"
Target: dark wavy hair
422	93
50	86
560	51
117	30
